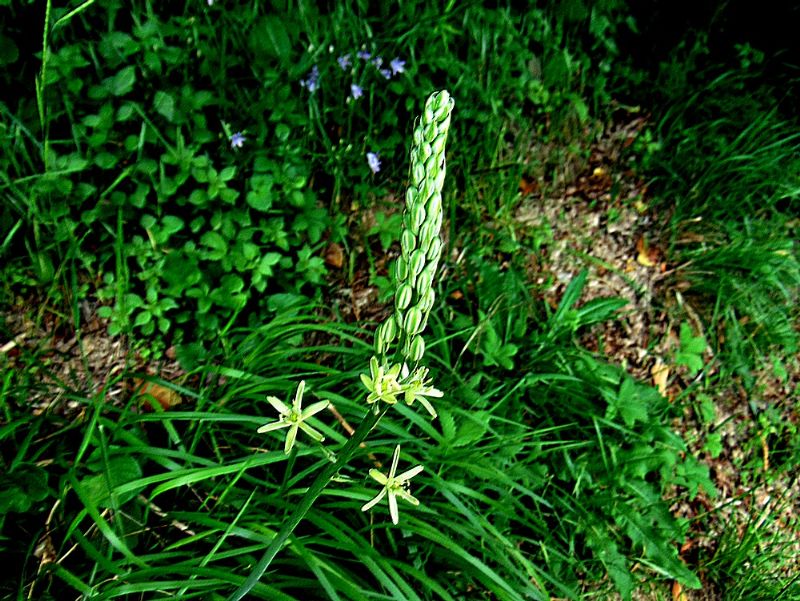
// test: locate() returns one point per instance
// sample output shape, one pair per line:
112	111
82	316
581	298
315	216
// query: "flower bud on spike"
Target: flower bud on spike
417	262
417	216
389	330
401	269
417	349
434	205
434	251
426	301
412	321
426	235
408	242
403	296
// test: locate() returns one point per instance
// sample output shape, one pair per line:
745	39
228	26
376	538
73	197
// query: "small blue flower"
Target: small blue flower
344	62
237	140
311	83
397	66
386	73
374	162
377	61
363	55
356	91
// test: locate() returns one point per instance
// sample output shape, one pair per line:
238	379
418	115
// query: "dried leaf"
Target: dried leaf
647	255
334	255
660	373
150	391
677	592
528	186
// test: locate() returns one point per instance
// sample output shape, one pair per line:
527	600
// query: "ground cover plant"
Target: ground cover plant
219	263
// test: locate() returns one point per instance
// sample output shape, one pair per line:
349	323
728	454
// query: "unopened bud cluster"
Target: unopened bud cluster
420	243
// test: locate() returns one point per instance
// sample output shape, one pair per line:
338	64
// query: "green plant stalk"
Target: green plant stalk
314	491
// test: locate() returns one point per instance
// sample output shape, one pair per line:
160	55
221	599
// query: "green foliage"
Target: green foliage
608	451
691	350
125	168
749	277
120	181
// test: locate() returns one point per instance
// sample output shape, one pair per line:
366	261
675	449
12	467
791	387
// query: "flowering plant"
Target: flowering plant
398	340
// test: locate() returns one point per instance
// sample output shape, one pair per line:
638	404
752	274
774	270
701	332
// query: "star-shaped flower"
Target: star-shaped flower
416	388
398	66
382	383
394	486
374	162
237	140
294	418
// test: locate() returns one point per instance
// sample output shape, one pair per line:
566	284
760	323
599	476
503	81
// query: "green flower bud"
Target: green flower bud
427	233
433	205
388	330
417	262
434	251
426	300
417	174
417	216
403	296
417	349
424	280
412	321
408	242
401	269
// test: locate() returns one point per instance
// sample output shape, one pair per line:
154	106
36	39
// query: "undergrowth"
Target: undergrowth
183	175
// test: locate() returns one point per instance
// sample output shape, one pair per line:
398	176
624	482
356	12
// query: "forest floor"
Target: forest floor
601	220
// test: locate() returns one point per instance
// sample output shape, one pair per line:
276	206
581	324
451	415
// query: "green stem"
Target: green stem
305	504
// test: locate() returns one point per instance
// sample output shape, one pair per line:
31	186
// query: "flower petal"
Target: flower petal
314	409
376	475
315	434
291	435
434	392
298	395
407	475
393	508
367	382
395	459
375	501
407	497
428	407
272	426
278	405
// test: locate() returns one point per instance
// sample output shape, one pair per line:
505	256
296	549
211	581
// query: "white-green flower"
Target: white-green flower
418	389
394	486
382	383
294	417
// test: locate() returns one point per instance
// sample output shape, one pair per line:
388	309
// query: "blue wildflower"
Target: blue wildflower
386	73
374	162
344	62
377	61
311	83
397	66
363	55
356	91
237	140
